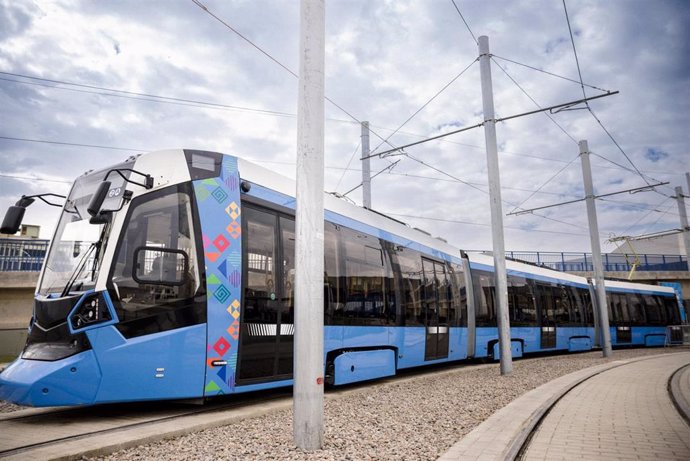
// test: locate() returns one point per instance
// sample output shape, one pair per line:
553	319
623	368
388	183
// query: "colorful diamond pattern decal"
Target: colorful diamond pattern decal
234	329
221	294
234	229
221	243
234	309
232	182
235	259
221	346
219	194
235	278
218	202
233	210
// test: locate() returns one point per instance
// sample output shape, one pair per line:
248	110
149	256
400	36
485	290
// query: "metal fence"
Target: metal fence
22	254
613	262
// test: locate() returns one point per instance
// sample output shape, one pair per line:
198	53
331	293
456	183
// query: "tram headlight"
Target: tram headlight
91	310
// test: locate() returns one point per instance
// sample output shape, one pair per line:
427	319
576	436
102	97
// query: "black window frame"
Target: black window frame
187	312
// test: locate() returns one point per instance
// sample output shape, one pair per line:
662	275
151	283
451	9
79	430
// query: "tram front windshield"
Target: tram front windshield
74	254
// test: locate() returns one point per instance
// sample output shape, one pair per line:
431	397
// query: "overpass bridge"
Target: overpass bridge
21	260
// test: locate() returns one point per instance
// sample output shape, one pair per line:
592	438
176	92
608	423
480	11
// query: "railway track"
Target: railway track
60	433
73	432
69	433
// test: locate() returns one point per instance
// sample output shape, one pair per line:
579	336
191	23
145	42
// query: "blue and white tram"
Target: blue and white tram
170	276
552	310
639	313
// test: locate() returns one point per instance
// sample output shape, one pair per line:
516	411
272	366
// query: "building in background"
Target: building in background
670	244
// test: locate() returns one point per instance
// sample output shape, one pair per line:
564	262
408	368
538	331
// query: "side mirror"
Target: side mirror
13	220
98	198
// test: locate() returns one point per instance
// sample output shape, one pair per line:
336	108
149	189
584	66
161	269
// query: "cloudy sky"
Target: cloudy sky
84	84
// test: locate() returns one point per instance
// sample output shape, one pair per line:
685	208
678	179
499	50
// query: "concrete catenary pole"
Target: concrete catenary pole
309	227
680	198
366	169
687	180
596	250
496	208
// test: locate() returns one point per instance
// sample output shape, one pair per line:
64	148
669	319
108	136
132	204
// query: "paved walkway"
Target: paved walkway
622	414
617	411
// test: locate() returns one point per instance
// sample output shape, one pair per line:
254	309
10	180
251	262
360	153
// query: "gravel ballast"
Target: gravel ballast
416	418
6	407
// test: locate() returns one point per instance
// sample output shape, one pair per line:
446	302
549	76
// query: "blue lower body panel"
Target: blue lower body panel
515	348
363	365
166	365
579	343
70	381
655	340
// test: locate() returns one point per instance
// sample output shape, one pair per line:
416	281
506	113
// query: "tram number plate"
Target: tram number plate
115	192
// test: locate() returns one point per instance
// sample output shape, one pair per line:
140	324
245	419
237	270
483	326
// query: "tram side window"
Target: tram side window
156	277
333	277
636	309
523	308
410	263
651	309
366	302
566	312
438	288
459	293
671	307
619	307
578	313
484	294
587	307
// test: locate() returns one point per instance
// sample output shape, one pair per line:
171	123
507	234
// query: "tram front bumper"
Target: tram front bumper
70	381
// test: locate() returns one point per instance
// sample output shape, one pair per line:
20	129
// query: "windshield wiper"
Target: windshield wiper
99	247
77	271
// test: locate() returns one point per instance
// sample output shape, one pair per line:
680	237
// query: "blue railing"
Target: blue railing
22	254
613	262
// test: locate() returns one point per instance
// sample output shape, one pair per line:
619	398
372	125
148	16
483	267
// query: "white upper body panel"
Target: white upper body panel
271	180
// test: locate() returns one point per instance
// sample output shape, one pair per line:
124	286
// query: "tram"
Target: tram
170	276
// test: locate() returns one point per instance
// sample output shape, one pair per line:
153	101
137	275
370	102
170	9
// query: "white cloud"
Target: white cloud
384	60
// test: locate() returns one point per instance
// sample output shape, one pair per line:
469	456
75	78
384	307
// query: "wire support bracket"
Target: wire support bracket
388	152
628	191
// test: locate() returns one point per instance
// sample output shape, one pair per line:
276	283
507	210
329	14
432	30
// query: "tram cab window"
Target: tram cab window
155	276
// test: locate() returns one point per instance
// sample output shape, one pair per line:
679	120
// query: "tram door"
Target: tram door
547	316
435	307
267	329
